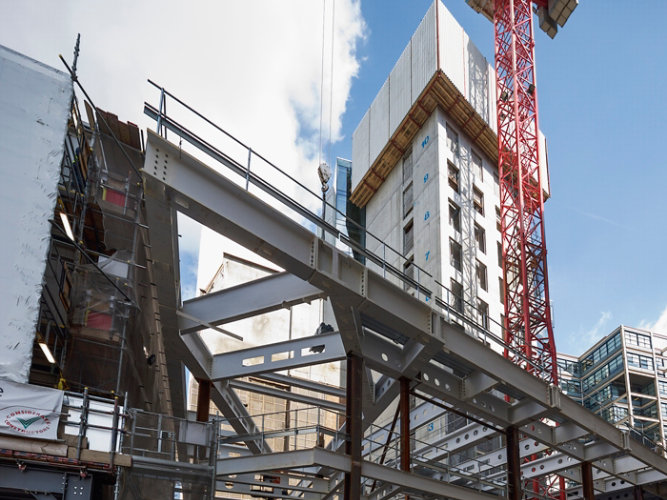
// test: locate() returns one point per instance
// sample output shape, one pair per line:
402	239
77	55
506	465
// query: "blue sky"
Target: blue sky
602	84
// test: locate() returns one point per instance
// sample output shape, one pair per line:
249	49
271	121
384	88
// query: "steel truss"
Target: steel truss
527	312
390	332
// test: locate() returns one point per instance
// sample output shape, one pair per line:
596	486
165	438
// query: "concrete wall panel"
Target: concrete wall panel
360	150
424	53
451	37
379	132
400	89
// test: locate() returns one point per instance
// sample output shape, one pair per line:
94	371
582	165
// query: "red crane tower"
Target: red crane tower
528	328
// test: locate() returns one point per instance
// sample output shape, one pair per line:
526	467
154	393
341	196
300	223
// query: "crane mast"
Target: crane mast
528	327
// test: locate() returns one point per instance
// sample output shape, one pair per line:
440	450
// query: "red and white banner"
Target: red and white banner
29	410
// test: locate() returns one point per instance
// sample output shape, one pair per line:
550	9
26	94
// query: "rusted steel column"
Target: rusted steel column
203	400
587	480
639	494
353	388
513	464
404	404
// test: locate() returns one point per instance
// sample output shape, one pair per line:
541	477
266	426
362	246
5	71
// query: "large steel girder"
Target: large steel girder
213	200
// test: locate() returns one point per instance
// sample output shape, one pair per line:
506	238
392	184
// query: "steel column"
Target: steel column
203	400
404	403
587	480
514	490
353	425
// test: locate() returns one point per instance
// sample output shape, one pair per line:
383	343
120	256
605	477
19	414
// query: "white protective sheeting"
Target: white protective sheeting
29	410
34	105
424	53
360	149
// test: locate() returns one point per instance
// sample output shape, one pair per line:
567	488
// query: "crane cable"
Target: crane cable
333	17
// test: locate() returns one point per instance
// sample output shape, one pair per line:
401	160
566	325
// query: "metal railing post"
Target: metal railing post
83	423
247	172
159	118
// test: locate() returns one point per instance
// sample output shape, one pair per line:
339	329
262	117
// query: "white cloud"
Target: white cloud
253	67
590	336
660	326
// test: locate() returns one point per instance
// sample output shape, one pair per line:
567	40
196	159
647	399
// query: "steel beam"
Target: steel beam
310	385
259	296
203	400
289	395
513	464
404	404
285	355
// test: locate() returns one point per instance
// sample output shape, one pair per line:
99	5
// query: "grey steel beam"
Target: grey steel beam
299	459
259	296
65	484
285	355
292	396
302	383
209	198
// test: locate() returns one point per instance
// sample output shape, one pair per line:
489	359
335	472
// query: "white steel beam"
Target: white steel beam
290	395
259	296
284	355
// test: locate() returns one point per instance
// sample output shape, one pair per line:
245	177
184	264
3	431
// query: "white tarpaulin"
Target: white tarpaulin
29	410
34	106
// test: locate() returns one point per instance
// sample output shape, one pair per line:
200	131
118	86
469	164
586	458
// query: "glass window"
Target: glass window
478	200
453	176
501	290
455	255
499	226
454	216
456	290
481	276
409	271
480	238
408	200
408	238
483	310
638	339
407	167
477	167
452	140
500	254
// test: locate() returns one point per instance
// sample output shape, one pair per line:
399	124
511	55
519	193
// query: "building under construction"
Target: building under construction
353	352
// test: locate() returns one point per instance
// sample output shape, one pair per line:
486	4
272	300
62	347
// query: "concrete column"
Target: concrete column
587	480
514	490
203	400
353	388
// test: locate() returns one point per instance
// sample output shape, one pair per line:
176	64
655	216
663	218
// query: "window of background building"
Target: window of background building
499	225
408	238
481	276
455	255
638	339
452	140
456	290
500	254
454	216
478	200
638	361
408	199
478	168
501	290
480	238
453	176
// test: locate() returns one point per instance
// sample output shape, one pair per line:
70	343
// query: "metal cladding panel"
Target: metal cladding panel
379	131
452	49
400	89
477	79
424	53
34	107
544	165
360	150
